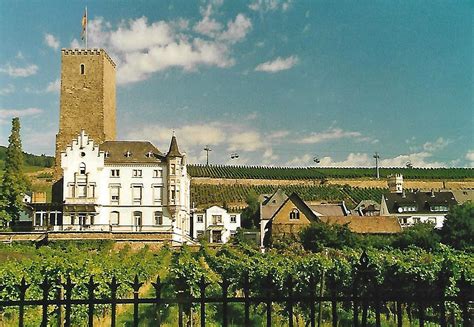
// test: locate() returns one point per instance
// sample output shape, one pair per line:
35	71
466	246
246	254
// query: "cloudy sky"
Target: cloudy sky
277	82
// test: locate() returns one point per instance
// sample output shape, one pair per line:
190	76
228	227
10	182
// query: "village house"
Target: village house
215	224
415	206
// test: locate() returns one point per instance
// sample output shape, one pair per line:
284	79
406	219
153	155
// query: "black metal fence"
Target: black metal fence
366	295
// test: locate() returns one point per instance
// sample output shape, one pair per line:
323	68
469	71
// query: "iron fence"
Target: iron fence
365	295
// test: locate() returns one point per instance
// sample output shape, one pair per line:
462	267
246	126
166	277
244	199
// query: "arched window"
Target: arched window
114	218
82	168
295	214
83	69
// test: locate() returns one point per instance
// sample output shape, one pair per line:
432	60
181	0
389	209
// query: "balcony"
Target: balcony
81	200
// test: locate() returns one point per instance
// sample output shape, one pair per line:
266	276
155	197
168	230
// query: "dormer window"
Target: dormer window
107	154
149	154
128	154
82	168
83	69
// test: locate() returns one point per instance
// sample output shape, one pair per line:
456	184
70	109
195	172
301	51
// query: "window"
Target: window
416	220
38	218
137	220
115	194
73	219
82	168
128	154
432	220
158	218
82	191
294	214
233	218
157	173
137	194
174	194
439	208
173	169
114	218
115	173
83	69
200	218
137	173
216	219
157	194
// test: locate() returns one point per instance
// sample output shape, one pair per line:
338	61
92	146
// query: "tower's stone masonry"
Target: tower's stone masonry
87	99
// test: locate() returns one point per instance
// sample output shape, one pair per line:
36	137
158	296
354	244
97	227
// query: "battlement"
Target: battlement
91	52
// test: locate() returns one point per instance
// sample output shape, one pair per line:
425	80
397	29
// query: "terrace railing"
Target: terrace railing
366	295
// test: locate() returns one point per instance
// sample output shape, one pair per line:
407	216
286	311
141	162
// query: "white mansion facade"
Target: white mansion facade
125	186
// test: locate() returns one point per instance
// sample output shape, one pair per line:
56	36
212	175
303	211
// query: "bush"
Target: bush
422	235
458	228
318	236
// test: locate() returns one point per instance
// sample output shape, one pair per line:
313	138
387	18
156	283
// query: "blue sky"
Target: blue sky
278	82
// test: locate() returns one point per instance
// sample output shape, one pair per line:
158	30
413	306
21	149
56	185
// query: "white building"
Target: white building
216	224
125	186
415	206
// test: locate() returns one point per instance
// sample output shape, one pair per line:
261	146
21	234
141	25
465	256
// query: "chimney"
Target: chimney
432	193
404	194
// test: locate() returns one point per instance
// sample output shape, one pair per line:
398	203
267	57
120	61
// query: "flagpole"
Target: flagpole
87	18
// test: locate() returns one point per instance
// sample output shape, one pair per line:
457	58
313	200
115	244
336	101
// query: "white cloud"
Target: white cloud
19	71
277	65
470	157
270	5
300	161
6	114
53	86
246	141
439	144
332	134
207	25
9	88
141	48
51	41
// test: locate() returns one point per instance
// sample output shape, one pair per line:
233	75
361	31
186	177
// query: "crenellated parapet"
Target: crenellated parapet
91	52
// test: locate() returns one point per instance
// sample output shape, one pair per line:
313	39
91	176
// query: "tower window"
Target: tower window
82	168
83	69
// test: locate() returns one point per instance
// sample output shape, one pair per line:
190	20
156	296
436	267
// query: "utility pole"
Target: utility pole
377	157
207	149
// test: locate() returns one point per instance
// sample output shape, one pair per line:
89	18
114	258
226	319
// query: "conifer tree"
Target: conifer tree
14	182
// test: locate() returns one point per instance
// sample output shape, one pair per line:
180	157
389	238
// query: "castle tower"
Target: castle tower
87	99
395	183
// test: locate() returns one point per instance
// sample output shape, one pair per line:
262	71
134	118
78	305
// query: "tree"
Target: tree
251	216
14	182
319	235
458	228
422	235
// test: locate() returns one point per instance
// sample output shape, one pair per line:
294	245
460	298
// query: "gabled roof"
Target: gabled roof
300	205
463	196
328	209
174	150
271	203
138	152
421	200
367	224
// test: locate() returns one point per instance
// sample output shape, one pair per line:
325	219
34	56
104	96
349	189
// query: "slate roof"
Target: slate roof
463	196
328	209
140	152
271	203
174	150
366	225
301	205
421	200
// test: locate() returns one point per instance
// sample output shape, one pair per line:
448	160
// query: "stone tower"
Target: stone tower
87	99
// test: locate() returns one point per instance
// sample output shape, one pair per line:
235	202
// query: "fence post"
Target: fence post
269	299
59	296
136	288
90	312
45	286
443	279
68	286
355	302
465	292
290	300
377	303
158	286
225	287
246	285
180	298
22	288
113	285
202	287
312	297
333	288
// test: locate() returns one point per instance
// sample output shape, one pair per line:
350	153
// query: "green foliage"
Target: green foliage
30	159
458	227
312	173
230	194
318	236
250	217
14	183
422	235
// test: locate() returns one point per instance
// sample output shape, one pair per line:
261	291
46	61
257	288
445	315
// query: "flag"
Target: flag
84	25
